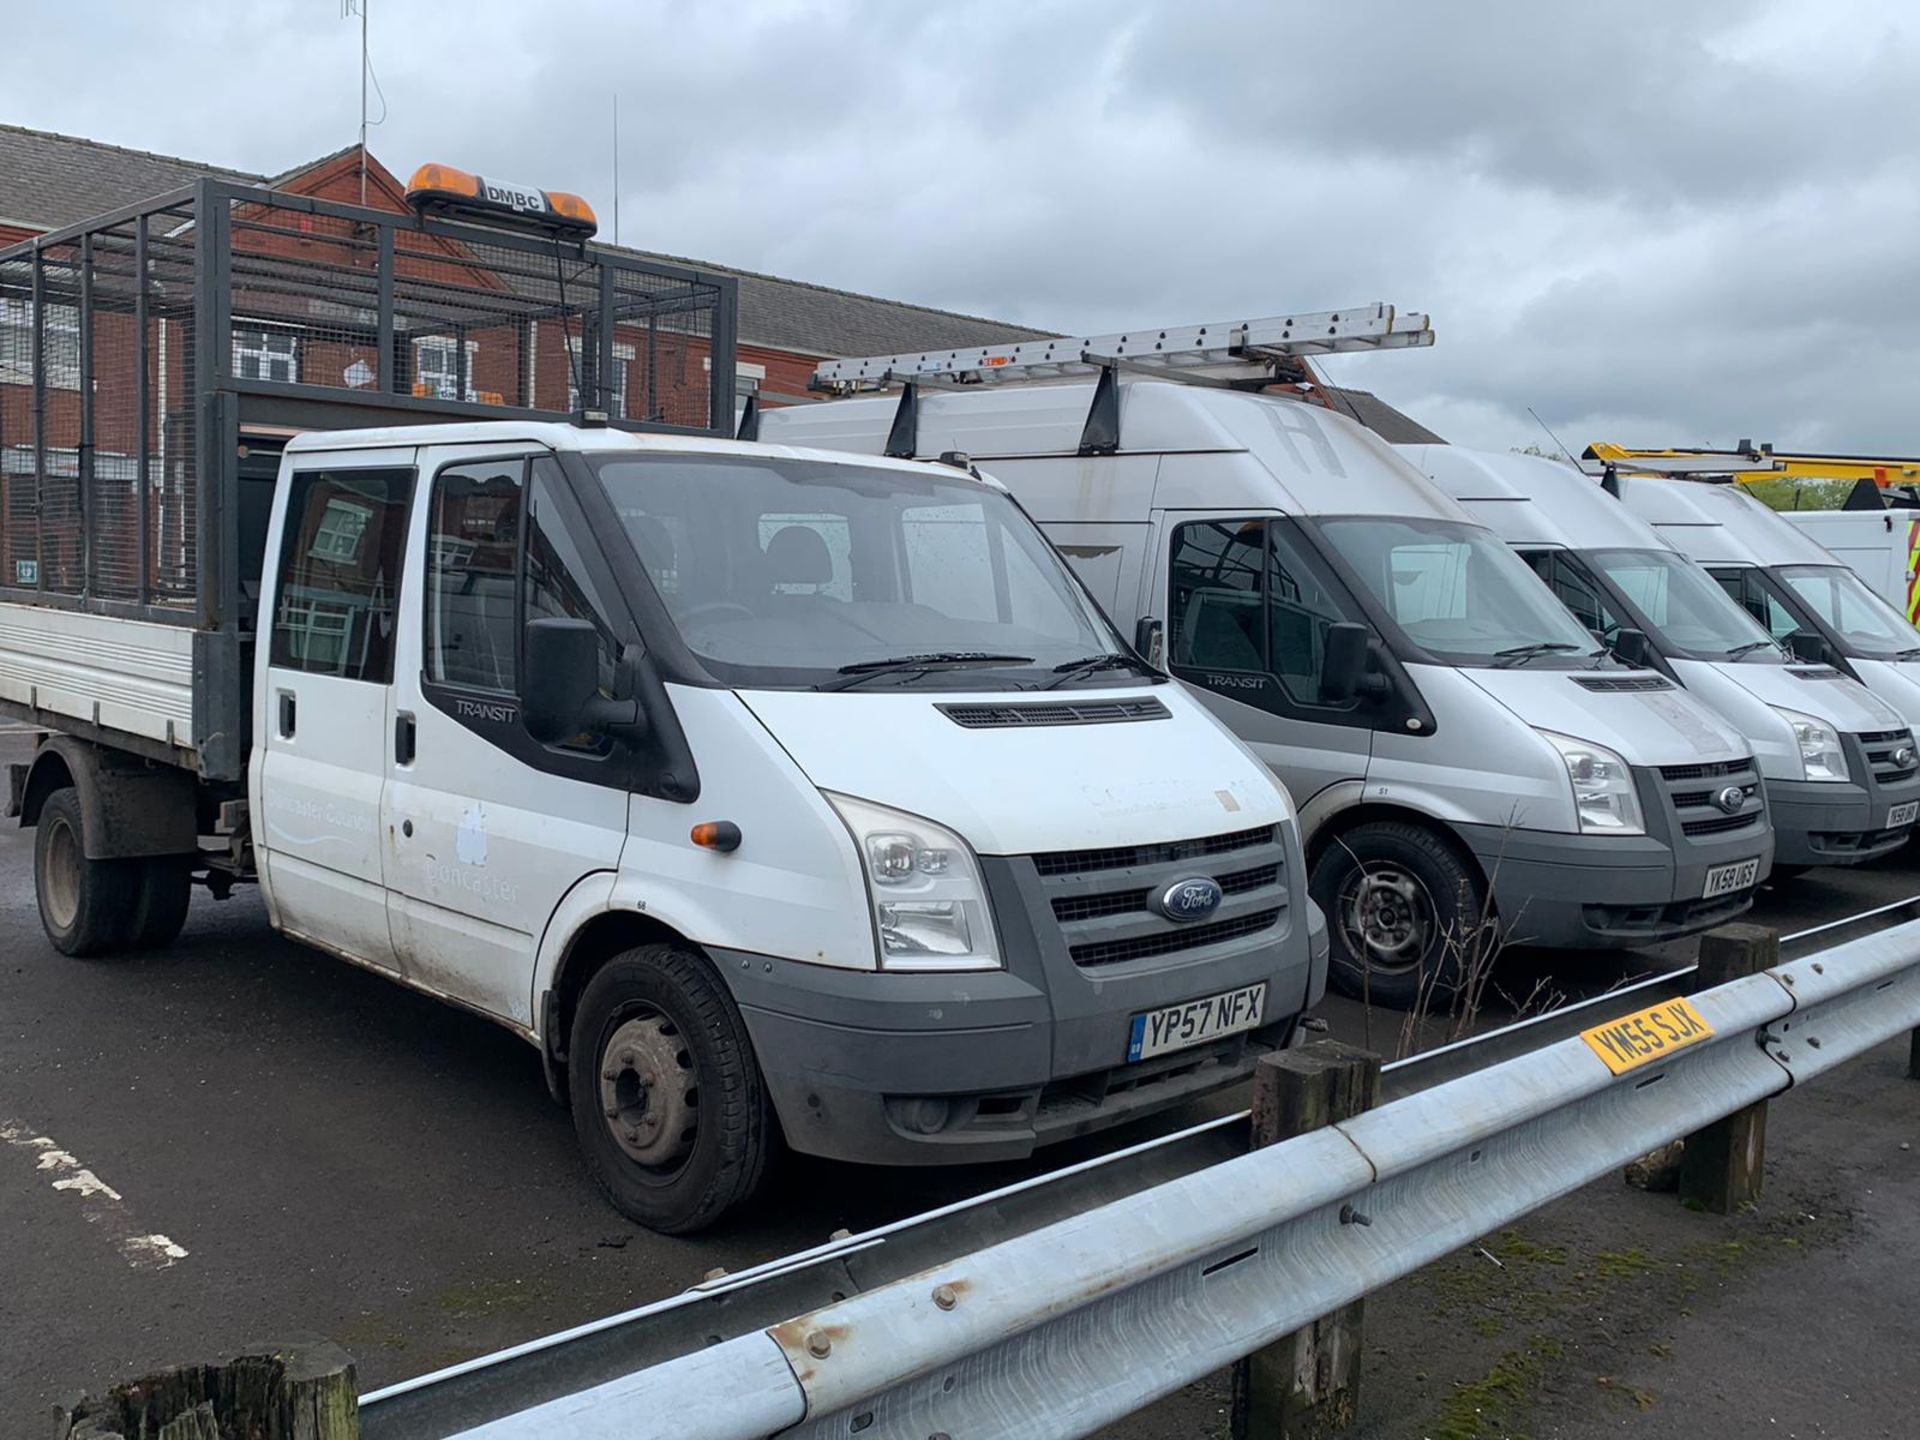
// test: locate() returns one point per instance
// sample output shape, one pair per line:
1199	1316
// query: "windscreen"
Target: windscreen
1684	604
789	573
1867	623
1457	592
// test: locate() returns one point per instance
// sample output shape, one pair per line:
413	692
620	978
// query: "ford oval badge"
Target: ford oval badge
1192	899
1731	799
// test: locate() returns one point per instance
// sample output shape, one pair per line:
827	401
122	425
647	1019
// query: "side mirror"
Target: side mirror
560	688
1149	640
1344	668
1633	647
1807	646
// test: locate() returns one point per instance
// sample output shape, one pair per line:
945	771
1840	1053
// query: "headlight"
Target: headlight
929	901
1603	793
1820	753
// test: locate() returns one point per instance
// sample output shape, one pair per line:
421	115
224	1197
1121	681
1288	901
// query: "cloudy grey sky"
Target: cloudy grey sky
1652	222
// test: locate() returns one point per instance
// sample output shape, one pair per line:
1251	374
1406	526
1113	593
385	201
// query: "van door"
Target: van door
1247	612
487	828
322	710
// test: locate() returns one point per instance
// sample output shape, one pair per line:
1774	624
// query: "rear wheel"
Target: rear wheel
166	889
668	1102
1400	903
86	906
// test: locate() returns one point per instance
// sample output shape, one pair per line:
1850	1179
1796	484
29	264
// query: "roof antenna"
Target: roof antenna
349	8
1553	437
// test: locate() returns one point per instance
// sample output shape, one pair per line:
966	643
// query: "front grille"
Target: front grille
1078	712
1103	901
1711	771
1694	807
1622	682
1188	937
1718	825
1879	746
1069	908
1074	862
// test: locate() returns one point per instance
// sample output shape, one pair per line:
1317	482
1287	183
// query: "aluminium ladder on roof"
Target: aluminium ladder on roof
1238	350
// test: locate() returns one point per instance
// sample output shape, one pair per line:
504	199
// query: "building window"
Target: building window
260	354
616	386
436	368
62	340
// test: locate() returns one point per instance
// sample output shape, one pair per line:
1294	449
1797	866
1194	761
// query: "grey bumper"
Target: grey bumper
1580	891
1824	823
929	1069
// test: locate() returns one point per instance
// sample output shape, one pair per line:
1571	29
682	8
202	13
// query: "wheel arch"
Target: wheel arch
595	940
1351	817
130	808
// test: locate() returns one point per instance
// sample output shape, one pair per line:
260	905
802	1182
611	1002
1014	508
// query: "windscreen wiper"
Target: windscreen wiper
1747	649
1515	654
1074	669
863	670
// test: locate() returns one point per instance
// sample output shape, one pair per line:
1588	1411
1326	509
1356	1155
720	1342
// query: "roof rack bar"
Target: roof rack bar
1232	350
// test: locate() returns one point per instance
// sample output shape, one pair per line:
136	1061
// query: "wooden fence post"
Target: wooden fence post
1724	1164
1307	1383
268	1392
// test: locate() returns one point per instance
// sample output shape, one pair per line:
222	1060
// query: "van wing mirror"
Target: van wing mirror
1150	640
1807	646
560	695
1343	670
1632	647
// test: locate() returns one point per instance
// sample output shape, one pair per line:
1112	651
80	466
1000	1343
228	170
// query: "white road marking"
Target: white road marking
100	1203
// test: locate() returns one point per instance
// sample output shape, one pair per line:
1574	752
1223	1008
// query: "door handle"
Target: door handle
405	738
287	714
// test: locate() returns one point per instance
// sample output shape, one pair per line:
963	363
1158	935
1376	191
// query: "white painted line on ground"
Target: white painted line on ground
100	1203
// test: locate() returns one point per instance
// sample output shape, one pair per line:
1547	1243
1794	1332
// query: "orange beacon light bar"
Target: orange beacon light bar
443	190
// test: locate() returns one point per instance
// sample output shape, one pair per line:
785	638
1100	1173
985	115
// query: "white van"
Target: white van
1458	745
1804	596
767	793
1879	544
1842	780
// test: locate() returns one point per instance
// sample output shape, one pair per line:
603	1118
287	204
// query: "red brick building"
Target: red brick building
785	327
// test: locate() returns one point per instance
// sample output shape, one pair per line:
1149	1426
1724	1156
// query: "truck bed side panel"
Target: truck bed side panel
126	675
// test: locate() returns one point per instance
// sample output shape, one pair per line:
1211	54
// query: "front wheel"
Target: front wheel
1401	905
86	906
668	1101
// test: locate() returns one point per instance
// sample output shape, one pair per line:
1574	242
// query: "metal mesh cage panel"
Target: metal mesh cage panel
97	457
121	339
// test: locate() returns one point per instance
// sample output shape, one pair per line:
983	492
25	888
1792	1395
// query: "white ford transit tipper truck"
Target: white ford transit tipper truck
1805	597
767	793
1842	780
1446	727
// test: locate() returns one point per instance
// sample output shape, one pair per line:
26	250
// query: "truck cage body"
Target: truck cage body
154	361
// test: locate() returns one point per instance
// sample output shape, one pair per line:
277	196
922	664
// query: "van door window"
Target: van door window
1745	585
1244	598
340	553
472	544
1575	591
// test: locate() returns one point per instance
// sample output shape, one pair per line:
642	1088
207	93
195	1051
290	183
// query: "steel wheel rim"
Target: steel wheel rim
1387	917
649	1091
60	881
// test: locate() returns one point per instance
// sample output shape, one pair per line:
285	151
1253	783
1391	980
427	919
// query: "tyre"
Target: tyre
1401	906
86	906
166	888
668	1101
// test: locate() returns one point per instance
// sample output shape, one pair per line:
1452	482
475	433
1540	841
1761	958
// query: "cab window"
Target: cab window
1575	591
1243	598
340	555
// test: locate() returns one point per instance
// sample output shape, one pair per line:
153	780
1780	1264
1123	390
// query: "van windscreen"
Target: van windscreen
786	573
1457	592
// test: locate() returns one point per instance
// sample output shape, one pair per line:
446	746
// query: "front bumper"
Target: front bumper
1822	822
929	1069
1592	891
